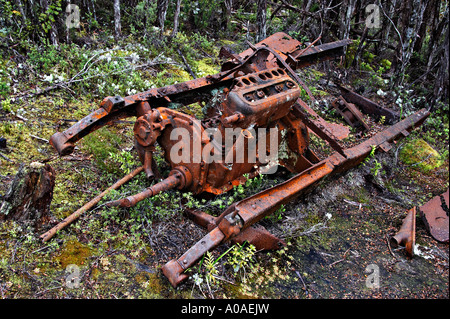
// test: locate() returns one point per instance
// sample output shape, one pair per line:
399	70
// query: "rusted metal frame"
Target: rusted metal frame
250	210
281	61
256	235
290	70
434	213
369	107
318	126
320	53
63	142
170	182
350	113
116	108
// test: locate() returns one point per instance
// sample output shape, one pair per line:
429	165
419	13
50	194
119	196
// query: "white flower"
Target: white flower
48	78
197	279
134	57
131	92
381	92
328	216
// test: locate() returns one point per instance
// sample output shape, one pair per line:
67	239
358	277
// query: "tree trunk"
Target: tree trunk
261	20
388	25
227	5
161	11
176	18
53	31
441	84
117	25
29	196
410	30
426	21
348	18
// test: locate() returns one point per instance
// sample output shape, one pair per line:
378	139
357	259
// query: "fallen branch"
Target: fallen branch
186	64
39	138
66	84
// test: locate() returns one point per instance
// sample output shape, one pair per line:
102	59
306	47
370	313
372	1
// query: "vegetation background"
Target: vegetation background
54	71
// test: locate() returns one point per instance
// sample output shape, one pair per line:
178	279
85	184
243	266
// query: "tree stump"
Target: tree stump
29	196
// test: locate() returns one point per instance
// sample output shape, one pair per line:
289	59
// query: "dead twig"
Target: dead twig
6	158
39	138
186	64
340	260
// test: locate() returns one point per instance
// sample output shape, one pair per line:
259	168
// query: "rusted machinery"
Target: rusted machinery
256	95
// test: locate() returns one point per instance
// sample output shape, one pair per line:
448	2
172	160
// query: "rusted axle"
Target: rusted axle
74	216
170	182
252	209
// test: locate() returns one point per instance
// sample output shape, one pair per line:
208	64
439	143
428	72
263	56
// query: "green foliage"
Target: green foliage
101	144
240	258
47	18
126	161
6	105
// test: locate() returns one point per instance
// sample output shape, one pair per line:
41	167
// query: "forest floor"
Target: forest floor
337	235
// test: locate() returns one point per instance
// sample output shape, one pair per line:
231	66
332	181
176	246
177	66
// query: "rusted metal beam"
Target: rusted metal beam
74	216
369	107
350	113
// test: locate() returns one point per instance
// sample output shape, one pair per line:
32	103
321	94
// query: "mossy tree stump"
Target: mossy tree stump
29	196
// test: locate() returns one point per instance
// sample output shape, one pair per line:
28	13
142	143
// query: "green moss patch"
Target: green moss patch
421	156
73	252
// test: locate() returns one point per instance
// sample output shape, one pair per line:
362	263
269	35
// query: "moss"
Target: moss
151	282
206	67
73	252
421	156
100	144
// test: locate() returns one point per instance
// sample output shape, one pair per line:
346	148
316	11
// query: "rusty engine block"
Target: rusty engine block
256	92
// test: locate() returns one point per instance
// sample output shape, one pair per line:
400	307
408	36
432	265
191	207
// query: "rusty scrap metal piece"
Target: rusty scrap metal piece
256	91
369	107
256	235
74	216
435	216
406	236
350	113
252	209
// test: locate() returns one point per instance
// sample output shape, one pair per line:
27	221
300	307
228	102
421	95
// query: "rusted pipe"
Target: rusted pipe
70	219
407	233
170	182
